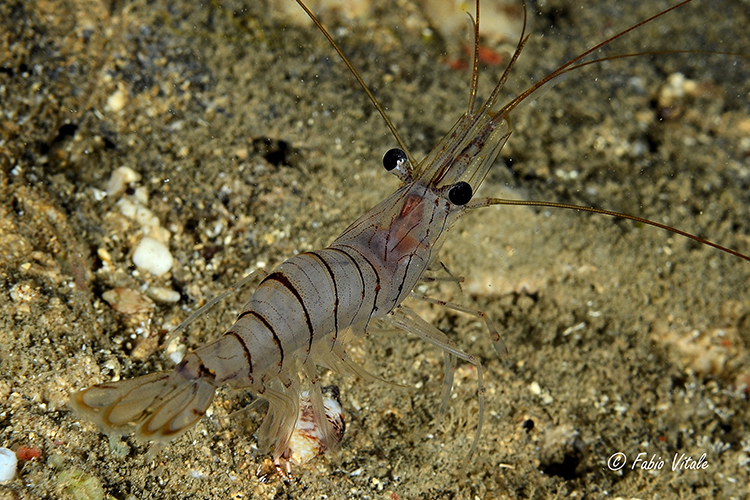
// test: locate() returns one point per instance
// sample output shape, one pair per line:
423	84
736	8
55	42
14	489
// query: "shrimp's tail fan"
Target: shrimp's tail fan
158	406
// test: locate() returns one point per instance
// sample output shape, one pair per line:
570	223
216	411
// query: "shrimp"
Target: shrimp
304	313
301	314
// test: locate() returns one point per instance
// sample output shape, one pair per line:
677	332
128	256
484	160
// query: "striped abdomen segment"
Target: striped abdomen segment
309	297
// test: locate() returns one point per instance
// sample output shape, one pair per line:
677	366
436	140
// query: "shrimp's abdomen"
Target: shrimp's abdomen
311	297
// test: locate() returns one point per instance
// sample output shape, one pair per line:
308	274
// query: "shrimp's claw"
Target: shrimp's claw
159	406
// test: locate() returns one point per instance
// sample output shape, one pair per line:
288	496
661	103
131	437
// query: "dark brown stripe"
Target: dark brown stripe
361	276
377	278
335	293
248	357
403	279
387	240
283	280
203	370
276	338
359	269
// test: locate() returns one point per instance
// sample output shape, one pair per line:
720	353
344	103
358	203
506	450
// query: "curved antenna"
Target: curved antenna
361	82
649	53
486	202
573	63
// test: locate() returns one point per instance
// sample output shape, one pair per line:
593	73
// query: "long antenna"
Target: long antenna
362	83
486	202
576	60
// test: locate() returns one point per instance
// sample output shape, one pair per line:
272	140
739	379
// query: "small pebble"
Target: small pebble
128	301
176	351
117	101
153	256
118	447
163	295
80	485
104	255
120	179
8	463
28	453
127	208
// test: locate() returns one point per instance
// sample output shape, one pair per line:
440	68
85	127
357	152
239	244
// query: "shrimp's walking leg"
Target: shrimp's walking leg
278	425
410	321
341	363
497	341
443	279
449	278
450	368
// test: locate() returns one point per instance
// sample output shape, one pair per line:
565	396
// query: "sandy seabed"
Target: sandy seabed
252	142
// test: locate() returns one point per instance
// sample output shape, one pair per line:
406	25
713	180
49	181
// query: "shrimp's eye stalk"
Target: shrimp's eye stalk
460	193
393	158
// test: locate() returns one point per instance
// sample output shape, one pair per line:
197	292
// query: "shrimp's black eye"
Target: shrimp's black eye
460	193
393	158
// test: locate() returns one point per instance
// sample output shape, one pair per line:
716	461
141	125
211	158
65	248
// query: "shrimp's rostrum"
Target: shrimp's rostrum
609	325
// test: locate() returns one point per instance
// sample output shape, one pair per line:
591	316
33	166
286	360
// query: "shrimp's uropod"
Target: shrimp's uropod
304	313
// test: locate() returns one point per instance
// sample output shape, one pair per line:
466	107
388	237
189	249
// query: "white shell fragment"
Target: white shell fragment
153	256
307	441
8	463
